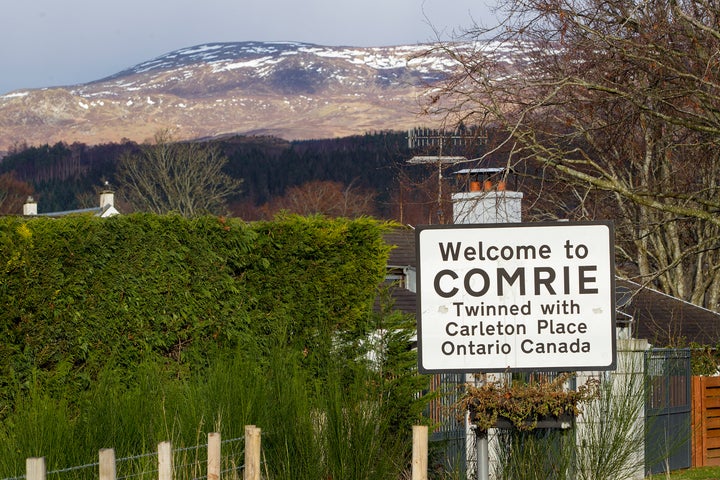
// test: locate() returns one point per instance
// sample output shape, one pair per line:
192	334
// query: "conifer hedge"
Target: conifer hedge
80	294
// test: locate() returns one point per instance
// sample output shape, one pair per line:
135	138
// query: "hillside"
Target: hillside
288	90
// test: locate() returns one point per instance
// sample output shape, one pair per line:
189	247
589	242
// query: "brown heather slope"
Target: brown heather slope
289	90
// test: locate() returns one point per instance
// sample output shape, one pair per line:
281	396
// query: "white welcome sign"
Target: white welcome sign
516	297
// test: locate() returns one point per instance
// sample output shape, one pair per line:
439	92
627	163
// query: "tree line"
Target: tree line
65	176
260	176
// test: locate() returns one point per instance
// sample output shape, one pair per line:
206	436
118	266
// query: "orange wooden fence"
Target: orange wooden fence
706	421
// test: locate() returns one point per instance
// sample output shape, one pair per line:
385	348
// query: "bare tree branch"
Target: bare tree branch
621	100
186	178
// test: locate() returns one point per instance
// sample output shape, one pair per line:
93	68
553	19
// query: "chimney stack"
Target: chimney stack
30	207
486	199
107	199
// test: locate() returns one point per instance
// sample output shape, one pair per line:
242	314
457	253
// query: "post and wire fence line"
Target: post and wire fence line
200	462
212	461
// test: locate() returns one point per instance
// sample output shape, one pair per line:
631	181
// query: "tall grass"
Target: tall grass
39	425
312	428
541	454
289	420
611	436
356	439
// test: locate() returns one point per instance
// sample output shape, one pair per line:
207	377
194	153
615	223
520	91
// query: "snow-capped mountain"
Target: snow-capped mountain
291	90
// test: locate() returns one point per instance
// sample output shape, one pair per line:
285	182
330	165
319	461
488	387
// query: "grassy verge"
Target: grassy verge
701	473
311	430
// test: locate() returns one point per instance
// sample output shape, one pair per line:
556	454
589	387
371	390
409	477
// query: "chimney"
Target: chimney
486	198
107	199
30	207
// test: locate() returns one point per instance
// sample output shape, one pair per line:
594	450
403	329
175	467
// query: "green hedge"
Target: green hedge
81	294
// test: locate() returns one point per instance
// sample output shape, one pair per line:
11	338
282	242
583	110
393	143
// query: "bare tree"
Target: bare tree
186	178
13	193
323	197
620	101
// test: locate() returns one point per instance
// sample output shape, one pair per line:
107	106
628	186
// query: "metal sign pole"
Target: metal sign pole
483	459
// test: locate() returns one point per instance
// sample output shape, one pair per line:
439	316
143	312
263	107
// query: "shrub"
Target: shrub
523	404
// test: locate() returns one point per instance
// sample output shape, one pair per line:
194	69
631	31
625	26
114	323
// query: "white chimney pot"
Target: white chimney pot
30	206
107	199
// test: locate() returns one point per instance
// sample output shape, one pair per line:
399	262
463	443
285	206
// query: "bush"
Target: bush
137	329
523	404
80	293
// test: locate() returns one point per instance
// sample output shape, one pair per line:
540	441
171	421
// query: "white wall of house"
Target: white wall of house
627	383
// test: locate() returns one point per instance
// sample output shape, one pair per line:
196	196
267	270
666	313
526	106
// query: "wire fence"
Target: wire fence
187	463
231	459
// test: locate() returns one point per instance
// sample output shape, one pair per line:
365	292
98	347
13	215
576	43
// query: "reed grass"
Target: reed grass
312	428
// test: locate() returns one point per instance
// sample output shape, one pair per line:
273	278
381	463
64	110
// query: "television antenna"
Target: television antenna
441	142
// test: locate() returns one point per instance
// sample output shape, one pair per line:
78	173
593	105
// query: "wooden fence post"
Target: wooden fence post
420	452
107	464
35	468
213	456
165	461
252	453
697	422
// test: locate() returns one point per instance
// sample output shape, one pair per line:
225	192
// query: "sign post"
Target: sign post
516	297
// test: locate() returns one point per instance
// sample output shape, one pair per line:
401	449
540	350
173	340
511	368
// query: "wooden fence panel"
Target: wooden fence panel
706	421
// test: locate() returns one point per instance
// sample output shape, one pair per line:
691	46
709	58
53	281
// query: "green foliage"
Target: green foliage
524	404
357	436
704	360
290	423
310	430
613	430
697	473
80	293
312	286
39	424
128	331
542	454
395	363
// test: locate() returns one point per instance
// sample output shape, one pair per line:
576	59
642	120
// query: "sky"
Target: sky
45	43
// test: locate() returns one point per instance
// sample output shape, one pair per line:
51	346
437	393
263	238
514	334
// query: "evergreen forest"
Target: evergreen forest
65	176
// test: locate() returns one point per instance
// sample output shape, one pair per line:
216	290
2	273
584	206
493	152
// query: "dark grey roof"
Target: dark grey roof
403	241
404	300
665	320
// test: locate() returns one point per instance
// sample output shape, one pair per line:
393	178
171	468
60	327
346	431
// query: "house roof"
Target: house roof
403	241
662	319
666	320
402	256
106	211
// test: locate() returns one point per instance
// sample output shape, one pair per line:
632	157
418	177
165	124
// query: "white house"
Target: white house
106	208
